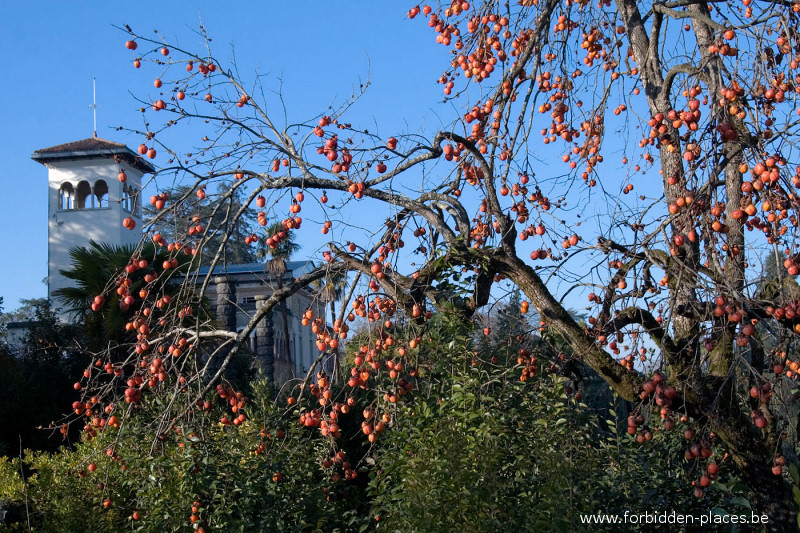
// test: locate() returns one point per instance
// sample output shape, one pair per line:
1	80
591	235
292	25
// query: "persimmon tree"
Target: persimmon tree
440	464
639	154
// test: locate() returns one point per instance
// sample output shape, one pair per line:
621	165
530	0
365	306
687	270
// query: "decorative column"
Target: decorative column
265	341
226	302
226	316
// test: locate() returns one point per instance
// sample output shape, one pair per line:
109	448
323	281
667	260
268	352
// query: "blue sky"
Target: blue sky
320	50
316	53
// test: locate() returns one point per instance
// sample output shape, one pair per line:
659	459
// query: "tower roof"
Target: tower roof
93	147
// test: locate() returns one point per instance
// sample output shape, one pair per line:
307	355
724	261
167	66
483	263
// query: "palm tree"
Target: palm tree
93	268
276	266
330	289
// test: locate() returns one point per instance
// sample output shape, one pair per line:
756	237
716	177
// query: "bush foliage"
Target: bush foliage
472	448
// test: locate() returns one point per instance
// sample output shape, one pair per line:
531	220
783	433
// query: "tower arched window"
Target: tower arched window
126	198
83	194
101	193
66	196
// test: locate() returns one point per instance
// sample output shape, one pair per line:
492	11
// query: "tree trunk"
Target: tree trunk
771	494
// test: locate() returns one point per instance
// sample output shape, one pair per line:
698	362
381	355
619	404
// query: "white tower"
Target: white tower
87	200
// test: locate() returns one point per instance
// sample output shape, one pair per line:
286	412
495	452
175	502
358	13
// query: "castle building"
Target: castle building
248	285
95	184
87	200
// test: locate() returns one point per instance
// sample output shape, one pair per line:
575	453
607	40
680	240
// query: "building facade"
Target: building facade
95	184
237	293
87	199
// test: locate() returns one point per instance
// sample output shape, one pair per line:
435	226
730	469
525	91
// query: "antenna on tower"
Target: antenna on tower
93	107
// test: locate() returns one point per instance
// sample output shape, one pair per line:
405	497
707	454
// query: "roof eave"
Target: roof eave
134	159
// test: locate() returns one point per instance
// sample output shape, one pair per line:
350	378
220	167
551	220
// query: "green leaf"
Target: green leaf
741	502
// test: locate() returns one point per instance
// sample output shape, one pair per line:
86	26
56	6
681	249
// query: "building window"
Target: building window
251	340
126	198
248	304
131	200
66	196
101	193
83	194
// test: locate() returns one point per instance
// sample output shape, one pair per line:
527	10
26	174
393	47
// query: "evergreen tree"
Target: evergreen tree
217	214
37	379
